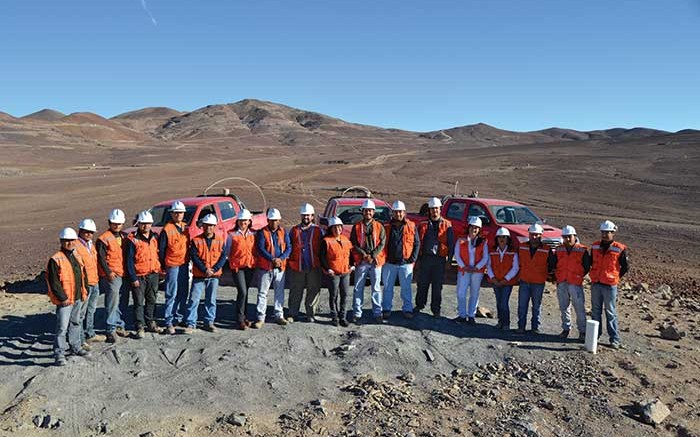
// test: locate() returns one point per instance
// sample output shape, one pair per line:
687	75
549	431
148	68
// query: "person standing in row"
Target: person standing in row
85	248
208	253
570	264
66	278
173	244
609	264
142	272
241	260
304	265
273	249
401	251
368	239
110	267
503	270
437	242
336	263
472	256
533	257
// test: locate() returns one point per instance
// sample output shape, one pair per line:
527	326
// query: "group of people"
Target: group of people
128	266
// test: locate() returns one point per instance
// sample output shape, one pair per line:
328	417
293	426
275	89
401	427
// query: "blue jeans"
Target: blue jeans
502	305
361	273
605	295
271	278
112	292
405	274
176	281
68	324
209	286
527	292
87	312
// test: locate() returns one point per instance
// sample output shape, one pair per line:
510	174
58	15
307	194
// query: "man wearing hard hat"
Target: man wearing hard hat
533	257
304	265
208	252
570	264
609	263
110	268
368	239
273	249
66	278
241	261
472	256
337	264
437	242
401	251
85	248
142	271
173	244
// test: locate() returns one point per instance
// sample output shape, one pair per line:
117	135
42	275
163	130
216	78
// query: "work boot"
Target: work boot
61	361
188	330
582	337
248	323
242	326
520	331
86	347
436	314
408	315
120	331
96	338
282	321
170	330
140	333
417	310
258	324
81	353
616	345
111	337
459	319
356	320
209	327
564	333
386	314
152	327
311	319
290	319
536	331
335	321
471	321
378	319
343	323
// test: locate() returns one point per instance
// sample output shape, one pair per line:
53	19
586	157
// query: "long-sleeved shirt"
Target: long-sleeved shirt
472	251
431	246
394	245
368	248
102	251
130	254
55	282
512	273
586	261
622	259
276	248
218	265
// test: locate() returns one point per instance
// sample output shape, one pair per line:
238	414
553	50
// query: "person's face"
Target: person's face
607	235
502	241
177	217
115	227
67	244
535	239
273	224
208	229
473	231
367	213
243	224
85	234
434	213
400	215
306	219
337	230
144	228
569	240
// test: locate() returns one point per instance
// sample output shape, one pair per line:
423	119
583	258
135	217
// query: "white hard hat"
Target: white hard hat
177	206
244	214
535	228
398	206
474	221
333	221
607	225
144	217
307	208
274	214
88	225
117	216
502	232
68	234
209	219
368	204
568	230
434	202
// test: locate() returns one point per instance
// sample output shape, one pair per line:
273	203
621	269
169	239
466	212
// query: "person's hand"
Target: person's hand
63	303
112	276
352	268
330	272
209	273
367	259
135	284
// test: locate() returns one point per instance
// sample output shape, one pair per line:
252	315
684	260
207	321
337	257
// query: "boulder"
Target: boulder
652	411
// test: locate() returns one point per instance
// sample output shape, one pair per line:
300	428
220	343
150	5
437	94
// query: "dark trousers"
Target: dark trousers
242	278
502	306
144	297
431	274
338	294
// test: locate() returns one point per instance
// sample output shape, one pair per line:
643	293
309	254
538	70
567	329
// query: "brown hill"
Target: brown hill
45	115
91	127
146	120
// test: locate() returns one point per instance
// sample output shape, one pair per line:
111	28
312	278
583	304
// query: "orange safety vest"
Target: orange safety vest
408	238
176	248
338	253
297	243
242	252
145	255
208	255
533	269
89	258
263	263
463	244
501	267
443	250
114	255
360	234
67	278
570	264
606	265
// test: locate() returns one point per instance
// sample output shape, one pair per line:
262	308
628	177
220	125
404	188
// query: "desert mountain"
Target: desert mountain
146	120
45	115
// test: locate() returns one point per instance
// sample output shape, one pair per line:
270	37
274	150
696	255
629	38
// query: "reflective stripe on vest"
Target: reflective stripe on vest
208	255
501	267
338	254
360	233
606	265
89	258
295	261
145	255
67	278
241	254
570	264
114	255
176	249
263	263
533	269
444	224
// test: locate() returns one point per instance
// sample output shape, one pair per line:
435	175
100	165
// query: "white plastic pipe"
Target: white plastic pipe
592	336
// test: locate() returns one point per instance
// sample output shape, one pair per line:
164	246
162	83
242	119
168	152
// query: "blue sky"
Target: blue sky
418	65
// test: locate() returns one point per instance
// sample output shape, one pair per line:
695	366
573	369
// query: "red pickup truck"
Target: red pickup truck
494	213
349	209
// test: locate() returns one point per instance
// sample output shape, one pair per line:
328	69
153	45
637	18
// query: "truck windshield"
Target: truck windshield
353	214
161	214
514	215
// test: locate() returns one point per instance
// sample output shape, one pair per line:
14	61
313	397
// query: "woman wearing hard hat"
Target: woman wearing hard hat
336	262
241	260
472	256
503	274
